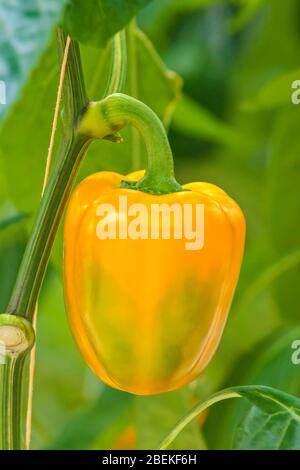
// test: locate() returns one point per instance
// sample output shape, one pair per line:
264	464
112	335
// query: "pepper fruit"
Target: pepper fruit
148	313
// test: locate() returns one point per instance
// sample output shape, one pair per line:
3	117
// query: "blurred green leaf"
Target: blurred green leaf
247	8
23	158
91	427
276	92
158	15
267	277
159	413
191	4
193	120
96	21
24	34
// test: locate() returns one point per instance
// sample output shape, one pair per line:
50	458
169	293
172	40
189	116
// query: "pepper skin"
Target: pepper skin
148	314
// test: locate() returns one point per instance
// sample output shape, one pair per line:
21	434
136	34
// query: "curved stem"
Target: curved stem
104	118
182	423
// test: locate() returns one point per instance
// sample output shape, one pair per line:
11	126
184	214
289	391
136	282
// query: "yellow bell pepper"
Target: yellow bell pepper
148	314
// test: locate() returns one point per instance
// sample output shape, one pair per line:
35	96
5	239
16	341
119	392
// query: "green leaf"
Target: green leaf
158	16
193	120
96	21
275	93
273	421
245	13
24	34
30	120
267	277
157	414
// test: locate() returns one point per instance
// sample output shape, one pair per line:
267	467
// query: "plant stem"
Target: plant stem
10	395
37	252
16	339
36	256
133	88
104	118
75	97
117	76
199	408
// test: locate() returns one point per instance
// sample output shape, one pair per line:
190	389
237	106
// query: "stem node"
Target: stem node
16	335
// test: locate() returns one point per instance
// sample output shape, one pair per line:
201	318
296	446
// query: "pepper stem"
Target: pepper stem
106	117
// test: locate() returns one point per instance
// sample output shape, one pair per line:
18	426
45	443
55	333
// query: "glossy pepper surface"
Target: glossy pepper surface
148	314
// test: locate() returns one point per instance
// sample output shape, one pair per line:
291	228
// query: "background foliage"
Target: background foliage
234	125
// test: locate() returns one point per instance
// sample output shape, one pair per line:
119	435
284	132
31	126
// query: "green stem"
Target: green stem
74	92
73	147
35	259
16	339
104	118
133	88
194	412
8	433
117	76
11	388
32	269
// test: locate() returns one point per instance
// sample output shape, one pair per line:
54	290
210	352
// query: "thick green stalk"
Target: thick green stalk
71	152
37	252
10	395
106	117
35	260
